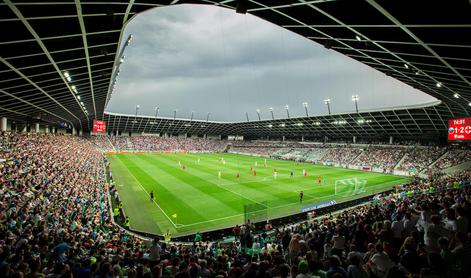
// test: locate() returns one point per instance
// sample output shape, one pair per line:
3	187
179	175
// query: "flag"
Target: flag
174	215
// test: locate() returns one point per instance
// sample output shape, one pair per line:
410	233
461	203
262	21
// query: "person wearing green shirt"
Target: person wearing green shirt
116	212
197	237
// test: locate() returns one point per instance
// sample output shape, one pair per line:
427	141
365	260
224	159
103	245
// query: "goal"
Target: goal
349	187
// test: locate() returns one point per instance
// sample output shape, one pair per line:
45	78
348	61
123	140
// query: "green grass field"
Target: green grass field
202	201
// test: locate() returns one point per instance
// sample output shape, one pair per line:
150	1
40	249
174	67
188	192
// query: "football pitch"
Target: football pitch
190	195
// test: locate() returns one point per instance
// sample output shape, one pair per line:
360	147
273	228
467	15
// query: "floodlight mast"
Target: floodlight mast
271	111
287	110
258	113
305	108
327	102
156	111
207	116
355	99
175	114
135	117
247	116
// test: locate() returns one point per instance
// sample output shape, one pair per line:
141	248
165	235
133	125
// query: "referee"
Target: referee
152	196
301	195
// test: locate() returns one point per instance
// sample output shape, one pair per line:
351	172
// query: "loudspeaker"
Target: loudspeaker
241	7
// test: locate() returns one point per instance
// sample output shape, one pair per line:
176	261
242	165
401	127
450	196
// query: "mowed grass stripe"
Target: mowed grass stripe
187	193
134	201
207	204
269	188
257	190
173	204
282	194
226	201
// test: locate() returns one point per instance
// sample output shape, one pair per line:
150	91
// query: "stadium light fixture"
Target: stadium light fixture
456	95
129	40
282	125
439	84
355	99
469	104
305	108
327	102
406	66
358	38
122	59
258	113
66	74
287	110
270	125
78	97
271	112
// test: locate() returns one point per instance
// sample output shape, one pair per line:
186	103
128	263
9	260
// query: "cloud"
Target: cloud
209	59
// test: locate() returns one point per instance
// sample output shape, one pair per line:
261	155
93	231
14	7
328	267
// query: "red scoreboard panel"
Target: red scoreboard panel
99	126
459	129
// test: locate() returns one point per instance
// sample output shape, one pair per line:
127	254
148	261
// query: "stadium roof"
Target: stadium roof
58	59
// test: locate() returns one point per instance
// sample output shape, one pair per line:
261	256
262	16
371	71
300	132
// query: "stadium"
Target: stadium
235	138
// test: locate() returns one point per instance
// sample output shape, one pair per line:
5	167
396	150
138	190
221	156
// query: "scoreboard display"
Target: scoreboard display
99	126
459	129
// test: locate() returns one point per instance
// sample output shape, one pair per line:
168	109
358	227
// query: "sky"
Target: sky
209	59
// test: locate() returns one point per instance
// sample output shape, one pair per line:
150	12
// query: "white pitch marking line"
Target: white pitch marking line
143	189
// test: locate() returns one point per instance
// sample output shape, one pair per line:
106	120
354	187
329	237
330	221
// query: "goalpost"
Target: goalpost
349	187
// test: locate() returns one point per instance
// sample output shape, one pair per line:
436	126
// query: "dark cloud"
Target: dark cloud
209	59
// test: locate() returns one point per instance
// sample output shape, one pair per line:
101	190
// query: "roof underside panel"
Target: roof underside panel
45	41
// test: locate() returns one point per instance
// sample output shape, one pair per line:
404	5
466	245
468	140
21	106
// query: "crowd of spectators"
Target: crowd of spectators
54	213
453	157
380	157
341	155
55	222
420	158
387	158
102	142
157	143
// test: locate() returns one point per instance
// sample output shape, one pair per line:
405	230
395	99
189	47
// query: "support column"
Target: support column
284	138
36	127
74	132
80	132
46	130
354	139
390	140
302	138
24	128
4	124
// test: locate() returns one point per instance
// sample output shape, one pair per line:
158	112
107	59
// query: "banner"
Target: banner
318	205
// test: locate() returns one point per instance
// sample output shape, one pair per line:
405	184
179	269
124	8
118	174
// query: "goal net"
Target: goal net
256	212
349	187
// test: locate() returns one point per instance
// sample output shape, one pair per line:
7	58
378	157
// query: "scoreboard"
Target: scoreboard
459	129
99	126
